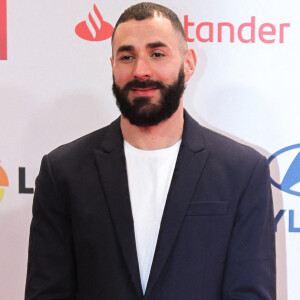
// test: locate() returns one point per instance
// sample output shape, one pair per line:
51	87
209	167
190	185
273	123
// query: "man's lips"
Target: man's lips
148	91
144	89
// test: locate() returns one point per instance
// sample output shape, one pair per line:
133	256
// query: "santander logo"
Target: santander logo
248	32
3	30
95	28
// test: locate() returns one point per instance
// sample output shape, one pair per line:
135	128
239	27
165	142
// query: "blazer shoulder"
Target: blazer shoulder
225	146
81	150
197	137
79	146
229	151
234	162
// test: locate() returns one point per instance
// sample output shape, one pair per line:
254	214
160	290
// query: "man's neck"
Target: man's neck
160	136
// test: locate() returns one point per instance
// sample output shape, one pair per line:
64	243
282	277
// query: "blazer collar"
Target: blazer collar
113	138
192	134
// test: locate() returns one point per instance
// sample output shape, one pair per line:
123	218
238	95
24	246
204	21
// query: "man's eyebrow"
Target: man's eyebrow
156	45
125	48
153	45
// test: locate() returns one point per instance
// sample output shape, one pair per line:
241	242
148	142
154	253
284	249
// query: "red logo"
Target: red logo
95	28
248	32
3	30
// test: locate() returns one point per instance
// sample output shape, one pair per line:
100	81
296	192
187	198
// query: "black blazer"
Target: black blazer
216	239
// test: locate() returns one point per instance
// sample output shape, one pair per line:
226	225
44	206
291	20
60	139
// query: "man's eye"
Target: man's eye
127	57
157	54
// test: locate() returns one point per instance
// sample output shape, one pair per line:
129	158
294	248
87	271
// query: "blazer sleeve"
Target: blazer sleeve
51	268
250	266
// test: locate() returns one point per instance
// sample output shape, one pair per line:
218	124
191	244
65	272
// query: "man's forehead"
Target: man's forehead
132	26
157	28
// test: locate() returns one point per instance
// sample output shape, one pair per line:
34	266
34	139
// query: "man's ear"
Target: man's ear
190	61
111	61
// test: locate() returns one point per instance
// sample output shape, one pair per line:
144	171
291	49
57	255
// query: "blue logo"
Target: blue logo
291	180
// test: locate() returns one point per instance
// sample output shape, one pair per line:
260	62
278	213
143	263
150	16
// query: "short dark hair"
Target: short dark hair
146	10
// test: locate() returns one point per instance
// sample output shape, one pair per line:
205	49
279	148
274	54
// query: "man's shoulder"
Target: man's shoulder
83	147
219	146
233	160
81	144
223	146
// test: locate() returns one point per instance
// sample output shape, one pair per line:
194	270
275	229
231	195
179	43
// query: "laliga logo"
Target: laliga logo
289	162
3	182
95	28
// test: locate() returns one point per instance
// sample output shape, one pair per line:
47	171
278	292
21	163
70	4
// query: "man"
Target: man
153	206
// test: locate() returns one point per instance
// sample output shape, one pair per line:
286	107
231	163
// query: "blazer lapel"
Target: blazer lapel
189	166
111	164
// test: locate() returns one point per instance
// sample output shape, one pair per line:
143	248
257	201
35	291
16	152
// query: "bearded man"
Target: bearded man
153	206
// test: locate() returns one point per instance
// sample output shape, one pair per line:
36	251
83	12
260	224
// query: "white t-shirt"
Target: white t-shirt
149	177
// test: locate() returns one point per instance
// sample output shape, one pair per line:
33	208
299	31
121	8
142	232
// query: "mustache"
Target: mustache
143	84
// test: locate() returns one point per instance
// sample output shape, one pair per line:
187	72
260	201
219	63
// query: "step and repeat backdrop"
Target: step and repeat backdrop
55	86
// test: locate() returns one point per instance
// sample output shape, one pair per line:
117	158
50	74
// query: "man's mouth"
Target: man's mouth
144	89
148	91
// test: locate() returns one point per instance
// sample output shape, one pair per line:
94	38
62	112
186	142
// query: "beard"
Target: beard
141	112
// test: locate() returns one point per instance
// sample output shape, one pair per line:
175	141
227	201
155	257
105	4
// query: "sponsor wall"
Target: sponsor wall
55	86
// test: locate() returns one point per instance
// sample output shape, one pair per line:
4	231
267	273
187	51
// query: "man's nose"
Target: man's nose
142	69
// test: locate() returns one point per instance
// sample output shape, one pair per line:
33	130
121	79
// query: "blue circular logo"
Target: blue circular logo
291	179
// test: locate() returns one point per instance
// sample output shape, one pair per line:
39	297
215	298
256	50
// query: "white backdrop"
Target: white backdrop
56	86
